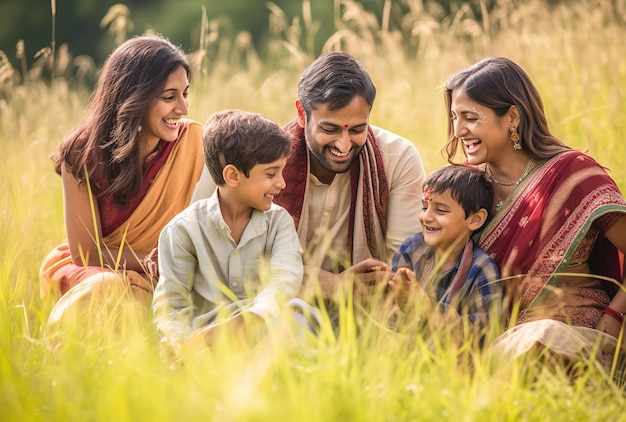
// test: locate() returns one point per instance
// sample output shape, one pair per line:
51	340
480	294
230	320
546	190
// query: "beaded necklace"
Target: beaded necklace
515	182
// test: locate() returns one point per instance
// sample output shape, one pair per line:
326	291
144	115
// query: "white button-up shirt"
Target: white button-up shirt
202	269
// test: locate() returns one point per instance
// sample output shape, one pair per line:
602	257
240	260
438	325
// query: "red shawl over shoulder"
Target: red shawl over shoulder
368	177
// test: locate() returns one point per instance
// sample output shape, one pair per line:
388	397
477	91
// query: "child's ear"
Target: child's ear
477	219
231	175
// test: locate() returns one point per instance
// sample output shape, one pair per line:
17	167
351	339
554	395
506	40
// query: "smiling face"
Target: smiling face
163	119
265	180
484	135
335	138
444	223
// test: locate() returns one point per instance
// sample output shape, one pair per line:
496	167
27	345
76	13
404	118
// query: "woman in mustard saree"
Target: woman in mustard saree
126	170
559	219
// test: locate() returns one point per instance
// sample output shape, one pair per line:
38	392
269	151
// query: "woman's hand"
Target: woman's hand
609	325
151	263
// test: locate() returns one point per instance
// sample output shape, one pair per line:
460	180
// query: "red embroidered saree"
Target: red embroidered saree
537	232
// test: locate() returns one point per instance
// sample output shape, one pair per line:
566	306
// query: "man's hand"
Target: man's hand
370	276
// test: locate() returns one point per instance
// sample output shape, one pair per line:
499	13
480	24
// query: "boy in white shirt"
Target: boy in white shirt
229	261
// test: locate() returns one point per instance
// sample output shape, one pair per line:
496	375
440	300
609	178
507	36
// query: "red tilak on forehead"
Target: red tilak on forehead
426	195
346	126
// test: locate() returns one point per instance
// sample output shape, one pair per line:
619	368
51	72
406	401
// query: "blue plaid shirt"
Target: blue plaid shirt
481	291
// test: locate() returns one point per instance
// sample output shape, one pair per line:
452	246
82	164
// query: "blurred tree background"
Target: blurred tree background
27	26
78	22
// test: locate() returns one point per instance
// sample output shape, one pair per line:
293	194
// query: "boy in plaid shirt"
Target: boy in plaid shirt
442	261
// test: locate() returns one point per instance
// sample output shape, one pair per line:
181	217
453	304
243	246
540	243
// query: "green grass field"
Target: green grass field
111	369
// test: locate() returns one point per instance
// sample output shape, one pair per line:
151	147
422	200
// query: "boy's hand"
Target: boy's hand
405	286
242	328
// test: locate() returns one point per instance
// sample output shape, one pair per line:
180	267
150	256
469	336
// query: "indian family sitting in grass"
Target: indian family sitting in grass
349	197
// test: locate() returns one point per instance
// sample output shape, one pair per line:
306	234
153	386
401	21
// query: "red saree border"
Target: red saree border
536	233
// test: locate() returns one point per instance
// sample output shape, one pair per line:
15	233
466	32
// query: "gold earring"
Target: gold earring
515	138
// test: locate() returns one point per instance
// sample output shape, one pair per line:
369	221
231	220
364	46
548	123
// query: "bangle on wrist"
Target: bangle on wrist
619	316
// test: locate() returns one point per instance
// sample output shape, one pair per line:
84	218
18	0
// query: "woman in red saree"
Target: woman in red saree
126	171
559	228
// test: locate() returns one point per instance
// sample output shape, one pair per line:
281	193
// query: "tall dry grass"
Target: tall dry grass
574	52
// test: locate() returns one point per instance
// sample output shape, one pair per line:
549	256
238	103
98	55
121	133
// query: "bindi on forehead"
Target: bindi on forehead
345	126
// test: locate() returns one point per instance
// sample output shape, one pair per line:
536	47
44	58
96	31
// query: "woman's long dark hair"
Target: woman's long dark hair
499	83
107	143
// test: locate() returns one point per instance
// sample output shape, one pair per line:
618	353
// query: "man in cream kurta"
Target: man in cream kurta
354	190
325	236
